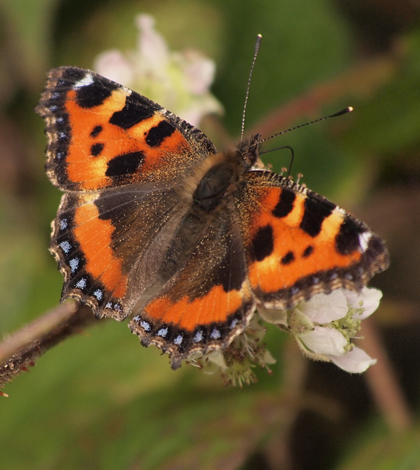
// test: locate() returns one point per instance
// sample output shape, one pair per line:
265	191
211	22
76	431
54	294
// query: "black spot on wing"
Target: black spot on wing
347	239
159	133
130	115
263	243
307	251
96	131
288	258
94	94
96	149
315	213
285	204
125	164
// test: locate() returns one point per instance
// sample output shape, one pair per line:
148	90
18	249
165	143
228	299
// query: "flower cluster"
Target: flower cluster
325	325
179	81
323	328
238	361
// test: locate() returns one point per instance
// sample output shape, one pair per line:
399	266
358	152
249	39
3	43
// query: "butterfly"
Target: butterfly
157	226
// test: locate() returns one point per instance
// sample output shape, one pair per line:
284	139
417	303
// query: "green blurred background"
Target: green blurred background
100	400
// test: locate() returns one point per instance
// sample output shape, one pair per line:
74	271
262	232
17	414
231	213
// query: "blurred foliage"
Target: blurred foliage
100	400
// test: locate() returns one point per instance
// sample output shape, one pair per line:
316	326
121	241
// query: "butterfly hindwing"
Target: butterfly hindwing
110	240
205	301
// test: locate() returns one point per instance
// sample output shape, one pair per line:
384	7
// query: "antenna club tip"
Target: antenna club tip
259	36
343	111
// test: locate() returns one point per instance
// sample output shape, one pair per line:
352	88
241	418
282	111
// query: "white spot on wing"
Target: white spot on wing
145	325
178	340
65	246
215	334
98	294
81	284
198	337
85	81
74	264
364	240
162	332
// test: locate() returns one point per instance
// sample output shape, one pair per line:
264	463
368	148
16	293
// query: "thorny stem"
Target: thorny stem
21	349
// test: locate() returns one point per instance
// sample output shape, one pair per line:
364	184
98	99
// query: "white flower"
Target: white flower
179	81
355	361
325	325
326	341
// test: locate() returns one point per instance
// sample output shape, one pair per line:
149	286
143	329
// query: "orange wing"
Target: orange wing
106	242
101	134
298	243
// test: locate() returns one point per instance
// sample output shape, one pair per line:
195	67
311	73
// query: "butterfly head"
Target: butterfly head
248	150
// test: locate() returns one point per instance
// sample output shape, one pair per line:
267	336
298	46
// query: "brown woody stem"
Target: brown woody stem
21	349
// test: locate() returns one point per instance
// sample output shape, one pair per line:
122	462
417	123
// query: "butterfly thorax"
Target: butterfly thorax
223	177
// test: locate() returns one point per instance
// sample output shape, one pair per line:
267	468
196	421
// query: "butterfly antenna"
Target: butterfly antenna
257	48
340	113
289	170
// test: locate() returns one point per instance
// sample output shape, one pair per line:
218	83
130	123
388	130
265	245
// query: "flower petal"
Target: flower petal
218	359
113	65
151	44
202	106
327	341
199	71
355	361
325	308
368	299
